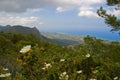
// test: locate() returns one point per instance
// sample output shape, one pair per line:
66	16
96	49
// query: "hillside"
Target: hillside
64	39
57	38
22	30
27	57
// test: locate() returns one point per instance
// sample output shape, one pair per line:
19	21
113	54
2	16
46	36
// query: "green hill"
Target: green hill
22	30
61	39
64	39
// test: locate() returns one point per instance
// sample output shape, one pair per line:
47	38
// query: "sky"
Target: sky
68	16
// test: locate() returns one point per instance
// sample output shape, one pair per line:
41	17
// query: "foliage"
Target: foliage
94	60
111	19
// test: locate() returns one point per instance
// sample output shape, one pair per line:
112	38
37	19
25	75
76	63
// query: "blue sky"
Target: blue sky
67	16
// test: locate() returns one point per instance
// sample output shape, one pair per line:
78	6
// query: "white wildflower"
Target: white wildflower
5	69
64	76
43	68
87	55
8	74
25	49
80	71
95	71
62	60
115	78
5	75
47	65
64	73
92	79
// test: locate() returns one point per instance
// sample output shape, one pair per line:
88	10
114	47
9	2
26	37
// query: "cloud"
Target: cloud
112	10
87	14
84	6
80	2
34	10
115	12
22	11
19	5
23	5
17	20
87	11
60	9
25	18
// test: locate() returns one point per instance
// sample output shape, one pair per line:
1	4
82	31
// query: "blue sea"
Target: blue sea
106	35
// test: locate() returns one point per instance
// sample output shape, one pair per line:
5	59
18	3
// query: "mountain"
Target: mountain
58	38
22	30
64	39
2	27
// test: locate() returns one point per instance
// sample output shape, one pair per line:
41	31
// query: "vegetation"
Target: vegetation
111	19
26	57
64	39
21	29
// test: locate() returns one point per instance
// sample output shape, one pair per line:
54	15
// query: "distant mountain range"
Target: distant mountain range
58	38
22	30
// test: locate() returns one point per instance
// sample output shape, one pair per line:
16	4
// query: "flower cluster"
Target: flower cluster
95	71
46	66
115	78
79	72
3	72
62	60
5	75
87	55
93	79
5	69
64	76
25	49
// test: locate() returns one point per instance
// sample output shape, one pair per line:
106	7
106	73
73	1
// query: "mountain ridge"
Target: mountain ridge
22	30
57	38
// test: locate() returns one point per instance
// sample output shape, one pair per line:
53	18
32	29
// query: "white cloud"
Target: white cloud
85	7
60	9
117	13
17	20
34	10
87	14
87	11
21	9
111	10
76	2
26	18
23	5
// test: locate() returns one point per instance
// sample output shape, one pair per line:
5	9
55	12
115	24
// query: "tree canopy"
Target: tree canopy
110	19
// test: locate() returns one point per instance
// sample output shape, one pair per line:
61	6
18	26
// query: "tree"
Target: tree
110	19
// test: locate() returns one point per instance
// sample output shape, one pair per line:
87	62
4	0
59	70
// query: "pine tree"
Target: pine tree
110	19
